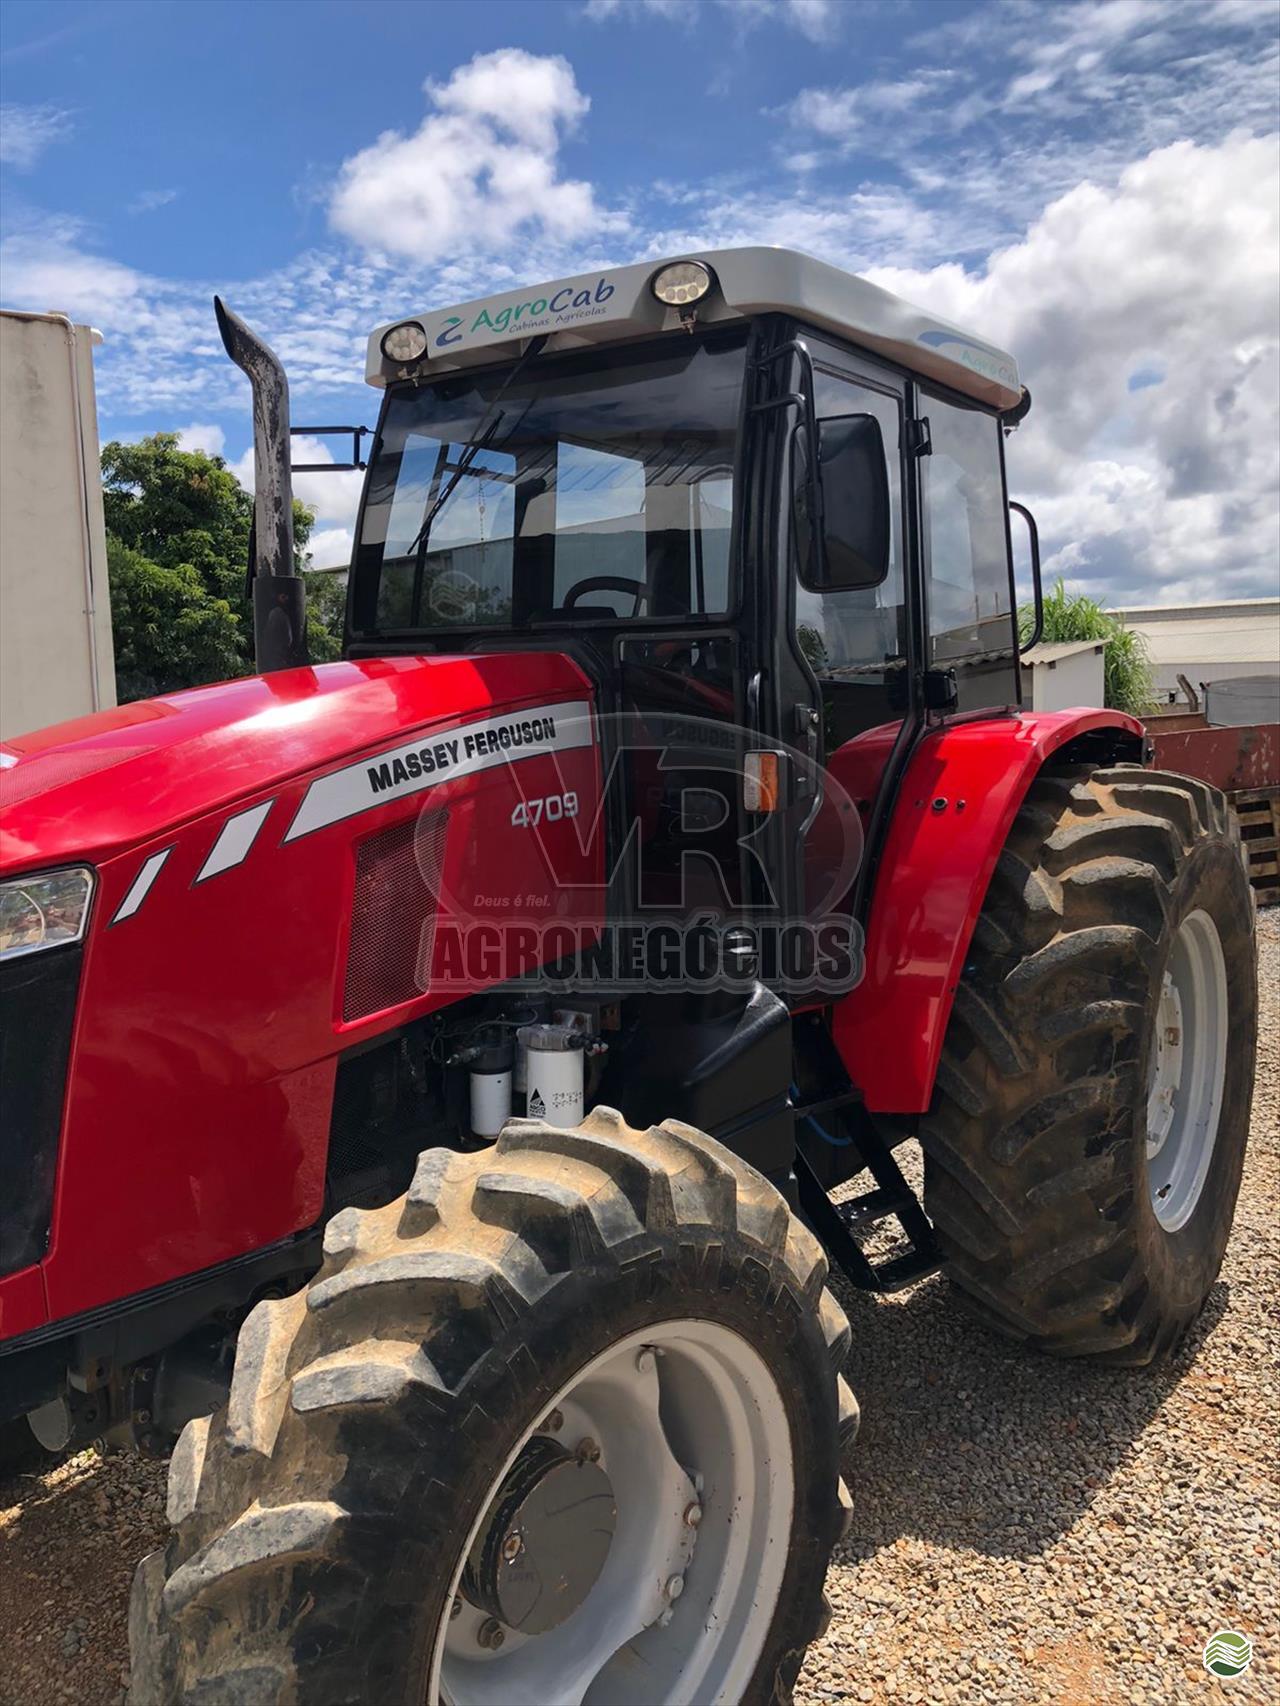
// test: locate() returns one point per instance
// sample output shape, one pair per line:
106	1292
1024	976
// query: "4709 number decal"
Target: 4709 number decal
552	807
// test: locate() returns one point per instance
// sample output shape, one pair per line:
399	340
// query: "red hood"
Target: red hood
91	787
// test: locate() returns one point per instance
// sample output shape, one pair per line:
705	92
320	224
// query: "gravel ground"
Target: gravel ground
1024	1530
1028	1530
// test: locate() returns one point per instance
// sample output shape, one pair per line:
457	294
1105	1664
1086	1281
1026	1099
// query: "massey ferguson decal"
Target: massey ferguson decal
434	760
422	763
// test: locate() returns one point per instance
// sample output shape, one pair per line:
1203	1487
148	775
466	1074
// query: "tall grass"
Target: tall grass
1129	683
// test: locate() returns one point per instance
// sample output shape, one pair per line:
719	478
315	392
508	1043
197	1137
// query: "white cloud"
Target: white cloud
833	114
44	267
202	435
1077	90
330	548
844	115
480	172
816	19
26	131
813	18
531	97
148	201
1170	489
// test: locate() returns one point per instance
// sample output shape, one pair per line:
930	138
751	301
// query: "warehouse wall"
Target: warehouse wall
1209	642
56	657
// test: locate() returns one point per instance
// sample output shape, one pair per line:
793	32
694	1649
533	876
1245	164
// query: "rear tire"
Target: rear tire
1056	1224
321	1521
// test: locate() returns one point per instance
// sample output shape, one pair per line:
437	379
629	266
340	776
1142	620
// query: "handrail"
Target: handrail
1033	533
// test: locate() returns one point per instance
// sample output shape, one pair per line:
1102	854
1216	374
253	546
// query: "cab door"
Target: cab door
972	626
859	643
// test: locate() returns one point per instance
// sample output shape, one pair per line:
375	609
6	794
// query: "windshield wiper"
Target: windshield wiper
491	420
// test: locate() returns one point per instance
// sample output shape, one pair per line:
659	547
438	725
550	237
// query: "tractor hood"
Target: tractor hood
92	787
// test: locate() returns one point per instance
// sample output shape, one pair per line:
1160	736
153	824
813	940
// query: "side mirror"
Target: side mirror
856	528
806	505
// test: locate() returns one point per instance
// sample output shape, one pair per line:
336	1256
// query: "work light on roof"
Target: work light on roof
405	342
681	283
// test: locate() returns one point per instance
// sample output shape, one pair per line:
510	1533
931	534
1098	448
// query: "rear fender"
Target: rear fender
962	788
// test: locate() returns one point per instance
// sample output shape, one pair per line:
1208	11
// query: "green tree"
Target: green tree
177	553
1128	681
326	611
169	631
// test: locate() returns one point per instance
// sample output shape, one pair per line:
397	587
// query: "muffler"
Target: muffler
279	594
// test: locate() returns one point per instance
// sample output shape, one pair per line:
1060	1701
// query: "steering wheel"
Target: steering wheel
607	583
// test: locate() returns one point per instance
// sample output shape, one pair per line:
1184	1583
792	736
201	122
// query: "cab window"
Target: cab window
969	588
585	487
854	640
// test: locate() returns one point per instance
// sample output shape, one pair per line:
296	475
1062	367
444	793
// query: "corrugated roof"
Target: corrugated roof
1053	651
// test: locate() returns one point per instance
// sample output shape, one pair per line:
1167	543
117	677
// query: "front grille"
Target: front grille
37	1010
393	915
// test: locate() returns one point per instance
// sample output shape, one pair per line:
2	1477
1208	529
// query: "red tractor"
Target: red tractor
433	1082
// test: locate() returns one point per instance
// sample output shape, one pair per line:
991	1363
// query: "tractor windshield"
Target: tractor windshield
581	488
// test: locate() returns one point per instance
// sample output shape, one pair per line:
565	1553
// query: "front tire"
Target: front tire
1084	1148
625	1323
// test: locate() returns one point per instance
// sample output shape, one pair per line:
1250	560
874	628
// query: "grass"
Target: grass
1129	684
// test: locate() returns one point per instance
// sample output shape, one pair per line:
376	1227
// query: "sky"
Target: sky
1094	185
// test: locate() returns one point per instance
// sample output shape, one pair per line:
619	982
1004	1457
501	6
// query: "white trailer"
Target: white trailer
56	656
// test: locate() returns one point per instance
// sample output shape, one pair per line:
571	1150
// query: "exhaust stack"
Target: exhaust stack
279	595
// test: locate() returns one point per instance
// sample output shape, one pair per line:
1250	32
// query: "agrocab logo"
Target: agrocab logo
538	314
662	873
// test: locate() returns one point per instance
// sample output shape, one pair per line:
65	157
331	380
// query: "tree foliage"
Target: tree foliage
326	610
169	630
1129	683
177	553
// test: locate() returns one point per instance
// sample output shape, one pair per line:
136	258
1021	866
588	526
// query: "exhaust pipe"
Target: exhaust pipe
279	595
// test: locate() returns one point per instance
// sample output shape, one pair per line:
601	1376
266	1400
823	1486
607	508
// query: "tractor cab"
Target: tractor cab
743	489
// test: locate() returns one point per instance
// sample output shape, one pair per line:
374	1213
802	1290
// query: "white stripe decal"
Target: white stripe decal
235	840
434	758
141	885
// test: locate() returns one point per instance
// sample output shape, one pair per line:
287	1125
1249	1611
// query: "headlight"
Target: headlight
44	912
681	283
406	342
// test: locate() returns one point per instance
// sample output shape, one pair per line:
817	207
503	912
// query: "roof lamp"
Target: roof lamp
405	342
681	283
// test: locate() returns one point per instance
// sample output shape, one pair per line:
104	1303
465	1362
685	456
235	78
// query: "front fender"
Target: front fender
963	786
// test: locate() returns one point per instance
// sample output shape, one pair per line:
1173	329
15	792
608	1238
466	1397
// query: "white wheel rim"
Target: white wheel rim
1188	1065
686	1414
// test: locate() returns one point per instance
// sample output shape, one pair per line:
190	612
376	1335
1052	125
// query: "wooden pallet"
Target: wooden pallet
1258	810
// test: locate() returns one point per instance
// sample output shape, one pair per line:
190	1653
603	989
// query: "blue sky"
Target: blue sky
1095	185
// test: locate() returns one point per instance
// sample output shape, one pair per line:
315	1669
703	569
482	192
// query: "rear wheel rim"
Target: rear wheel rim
1188	1066
689	1424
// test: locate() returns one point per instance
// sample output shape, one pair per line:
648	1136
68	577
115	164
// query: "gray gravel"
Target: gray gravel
1024	1530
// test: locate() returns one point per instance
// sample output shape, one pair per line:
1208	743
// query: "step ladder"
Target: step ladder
837	1224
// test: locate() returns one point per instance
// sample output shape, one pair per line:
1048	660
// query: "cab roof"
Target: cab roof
617	303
